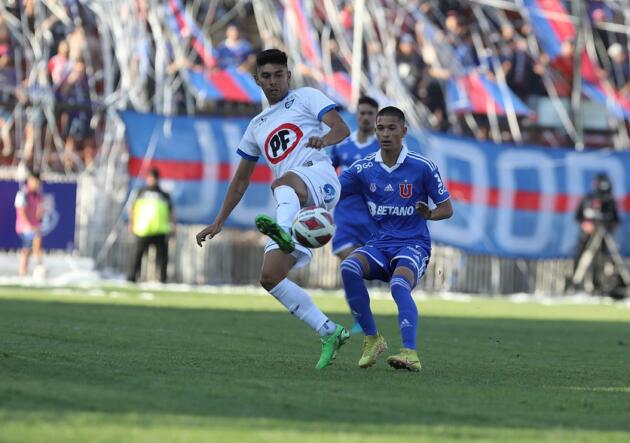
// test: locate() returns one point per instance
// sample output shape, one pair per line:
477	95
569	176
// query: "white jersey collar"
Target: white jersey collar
275	105
355	139
401	158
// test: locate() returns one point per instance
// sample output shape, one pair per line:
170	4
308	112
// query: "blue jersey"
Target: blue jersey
391	194
352	207
350	150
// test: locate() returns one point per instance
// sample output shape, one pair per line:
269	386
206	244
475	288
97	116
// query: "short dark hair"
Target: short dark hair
392	111
155	173
33	173
273	56
365	100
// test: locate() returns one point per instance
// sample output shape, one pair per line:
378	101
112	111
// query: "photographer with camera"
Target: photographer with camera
598	217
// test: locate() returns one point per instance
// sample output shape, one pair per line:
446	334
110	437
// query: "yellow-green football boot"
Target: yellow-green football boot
405	359
373	346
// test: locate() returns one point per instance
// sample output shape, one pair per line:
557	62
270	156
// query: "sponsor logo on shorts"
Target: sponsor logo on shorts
329	192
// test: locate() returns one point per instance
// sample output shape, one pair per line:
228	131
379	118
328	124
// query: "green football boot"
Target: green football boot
373	346
405	359
330	344
268	226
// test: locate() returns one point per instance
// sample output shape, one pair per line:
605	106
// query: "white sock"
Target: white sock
288	205
299	303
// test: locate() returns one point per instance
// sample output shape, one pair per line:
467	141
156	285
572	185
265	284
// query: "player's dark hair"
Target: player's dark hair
392	111
33	173
273	56
365	100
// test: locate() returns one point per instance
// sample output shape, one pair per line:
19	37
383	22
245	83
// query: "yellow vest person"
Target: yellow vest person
151	221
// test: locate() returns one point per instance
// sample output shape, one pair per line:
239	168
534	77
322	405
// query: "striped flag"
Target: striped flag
475	92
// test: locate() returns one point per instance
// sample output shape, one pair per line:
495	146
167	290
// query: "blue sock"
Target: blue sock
407	310
357	295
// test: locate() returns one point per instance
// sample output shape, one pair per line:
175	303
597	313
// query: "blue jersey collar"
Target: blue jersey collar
401	158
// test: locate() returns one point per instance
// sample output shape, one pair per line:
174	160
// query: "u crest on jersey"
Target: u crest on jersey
405	190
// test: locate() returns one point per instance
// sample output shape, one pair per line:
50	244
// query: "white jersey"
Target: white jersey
280	132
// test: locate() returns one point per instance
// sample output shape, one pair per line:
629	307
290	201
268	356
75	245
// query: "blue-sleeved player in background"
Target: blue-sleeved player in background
362	142
349	234
396	185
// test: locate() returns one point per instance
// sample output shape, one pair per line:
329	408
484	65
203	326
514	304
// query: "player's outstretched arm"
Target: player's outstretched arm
440	212
349	182
236	190
338	131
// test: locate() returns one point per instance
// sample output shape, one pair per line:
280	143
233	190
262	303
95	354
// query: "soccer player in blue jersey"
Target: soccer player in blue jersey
349	234
362	142
397	185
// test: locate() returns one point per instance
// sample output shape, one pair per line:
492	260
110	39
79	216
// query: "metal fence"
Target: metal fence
235	256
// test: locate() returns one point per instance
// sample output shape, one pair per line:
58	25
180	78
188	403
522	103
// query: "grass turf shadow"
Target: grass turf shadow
537	374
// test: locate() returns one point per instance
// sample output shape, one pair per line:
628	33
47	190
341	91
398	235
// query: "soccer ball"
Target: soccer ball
313	227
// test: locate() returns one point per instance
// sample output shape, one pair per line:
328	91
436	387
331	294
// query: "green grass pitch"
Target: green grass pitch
122	366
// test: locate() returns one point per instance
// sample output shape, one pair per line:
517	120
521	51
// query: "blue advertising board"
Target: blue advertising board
58	219
510	201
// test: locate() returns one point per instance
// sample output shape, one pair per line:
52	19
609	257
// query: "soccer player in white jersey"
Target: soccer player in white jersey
396	185
290	135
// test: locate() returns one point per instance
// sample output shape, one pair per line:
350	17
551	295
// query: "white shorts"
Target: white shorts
301	254
322	182
324	190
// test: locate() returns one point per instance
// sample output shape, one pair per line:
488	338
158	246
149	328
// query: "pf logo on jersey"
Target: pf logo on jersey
281	141
405	190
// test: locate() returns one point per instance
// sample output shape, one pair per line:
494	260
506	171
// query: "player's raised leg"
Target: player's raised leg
354	270
291	194
401	284
276	266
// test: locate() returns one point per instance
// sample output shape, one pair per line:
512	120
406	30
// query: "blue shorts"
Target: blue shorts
347	235
385	260
27	239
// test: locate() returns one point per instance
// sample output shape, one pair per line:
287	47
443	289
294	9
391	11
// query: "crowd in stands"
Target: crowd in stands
49	74
67	65
503	46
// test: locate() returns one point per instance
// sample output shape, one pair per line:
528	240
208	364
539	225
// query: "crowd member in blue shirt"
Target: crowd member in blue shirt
235	51
396	185
362	142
